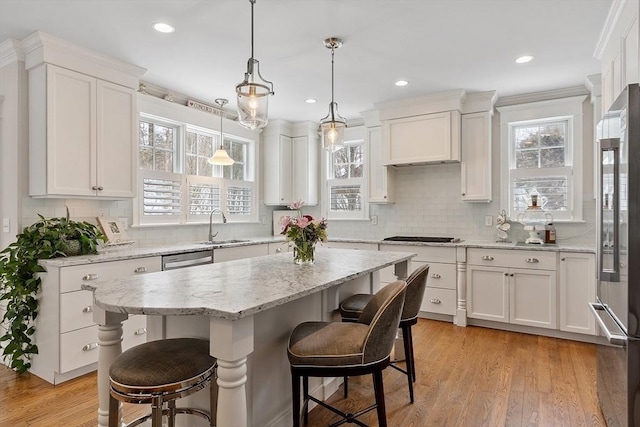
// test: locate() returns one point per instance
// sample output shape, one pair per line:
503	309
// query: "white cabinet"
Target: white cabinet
577	284
66	336
381	177
291	164
82	135
351	245
512	286
440	295
476	157
429	138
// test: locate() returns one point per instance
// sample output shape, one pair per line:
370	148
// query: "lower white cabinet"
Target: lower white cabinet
522	296
66	336
577	276
240	252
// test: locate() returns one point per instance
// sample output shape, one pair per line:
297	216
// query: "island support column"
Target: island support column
109	348
231	342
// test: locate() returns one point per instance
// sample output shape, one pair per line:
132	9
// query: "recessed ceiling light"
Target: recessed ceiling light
402	83
163	28
310	101
524	59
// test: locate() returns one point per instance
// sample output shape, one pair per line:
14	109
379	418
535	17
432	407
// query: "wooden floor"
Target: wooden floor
465	377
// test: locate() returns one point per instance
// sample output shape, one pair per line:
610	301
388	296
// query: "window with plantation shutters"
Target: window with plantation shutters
179	185
542	153
345	182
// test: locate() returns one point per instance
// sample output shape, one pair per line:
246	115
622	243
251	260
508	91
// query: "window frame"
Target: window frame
564	109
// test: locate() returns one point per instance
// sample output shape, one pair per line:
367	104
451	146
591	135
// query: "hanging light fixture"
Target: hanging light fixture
253	92
221	157
333	125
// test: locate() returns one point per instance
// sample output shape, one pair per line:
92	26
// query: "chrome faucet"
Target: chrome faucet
224	221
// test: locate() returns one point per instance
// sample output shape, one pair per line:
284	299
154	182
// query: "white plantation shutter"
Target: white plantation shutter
345	198
161	197
203	198
239	200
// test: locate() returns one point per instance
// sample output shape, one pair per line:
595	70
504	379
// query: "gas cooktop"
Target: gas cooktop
426	239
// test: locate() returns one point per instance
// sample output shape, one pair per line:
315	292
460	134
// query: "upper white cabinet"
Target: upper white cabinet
380	177
475	164
619	50
421	130
82	121
291	163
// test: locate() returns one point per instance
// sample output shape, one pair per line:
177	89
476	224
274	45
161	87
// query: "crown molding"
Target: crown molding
615	11
527	98
10	52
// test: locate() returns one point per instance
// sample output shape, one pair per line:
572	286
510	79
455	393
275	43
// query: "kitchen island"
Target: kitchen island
250	306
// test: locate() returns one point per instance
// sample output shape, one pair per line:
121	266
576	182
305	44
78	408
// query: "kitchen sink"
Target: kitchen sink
224	242
422	239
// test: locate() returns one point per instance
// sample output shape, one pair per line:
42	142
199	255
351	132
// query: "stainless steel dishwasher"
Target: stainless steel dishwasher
187	259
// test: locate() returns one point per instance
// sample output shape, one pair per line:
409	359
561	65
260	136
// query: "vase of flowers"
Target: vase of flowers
304	231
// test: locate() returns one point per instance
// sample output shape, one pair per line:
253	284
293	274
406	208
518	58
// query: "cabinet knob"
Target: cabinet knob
385	196
532	260
436	276
563	259
90	277
140	270
435	301
90	346
140	331
464	194
487	258
506	274
95	188
100	188
623	265
511	275
278	250
87	309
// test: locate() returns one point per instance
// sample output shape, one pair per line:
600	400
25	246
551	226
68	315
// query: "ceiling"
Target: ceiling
436	45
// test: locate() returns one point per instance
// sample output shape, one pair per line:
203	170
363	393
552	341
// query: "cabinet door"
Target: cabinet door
533	298
380	176
240	252
422	139
304	183
285	178
70	133
577	289
476	157
488	293
117	127
631	48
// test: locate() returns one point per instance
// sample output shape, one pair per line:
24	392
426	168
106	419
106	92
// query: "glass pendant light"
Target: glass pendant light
221	157
253	92
333	125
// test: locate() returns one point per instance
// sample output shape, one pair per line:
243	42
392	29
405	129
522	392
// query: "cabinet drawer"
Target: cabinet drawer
441	276
536	260
72	277
76	310
425	253
441	301
134	331
78	348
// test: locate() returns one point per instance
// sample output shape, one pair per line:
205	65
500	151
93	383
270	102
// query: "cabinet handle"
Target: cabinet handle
435	301
511	275
278	250
90	346
436	276
487	258
506	274
90	277
87	309
563	259
532	260
140	270
95	187
100	188
140	331
623	265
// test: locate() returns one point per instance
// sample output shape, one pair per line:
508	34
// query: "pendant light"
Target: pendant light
253	92
333	125
221	157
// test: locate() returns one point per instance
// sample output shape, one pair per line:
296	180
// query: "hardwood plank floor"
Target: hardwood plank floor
465	377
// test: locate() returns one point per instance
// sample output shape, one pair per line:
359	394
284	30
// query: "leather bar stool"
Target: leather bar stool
352	307
334	349
160	372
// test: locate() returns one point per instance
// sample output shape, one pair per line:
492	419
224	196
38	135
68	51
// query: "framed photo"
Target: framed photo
113	229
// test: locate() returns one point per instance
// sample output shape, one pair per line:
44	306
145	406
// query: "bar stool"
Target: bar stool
330	349
352	307
161	371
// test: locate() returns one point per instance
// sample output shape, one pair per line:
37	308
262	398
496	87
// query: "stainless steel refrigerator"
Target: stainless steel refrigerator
617	308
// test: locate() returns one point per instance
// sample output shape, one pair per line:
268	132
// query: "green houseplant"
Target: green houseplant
19	282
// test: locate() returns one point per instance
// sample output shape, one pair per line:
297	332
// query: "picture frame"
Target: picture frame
113	229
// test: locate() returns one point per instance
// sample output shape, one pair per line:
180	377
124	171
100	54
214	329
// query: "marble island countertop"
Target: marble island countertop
130	252
236	289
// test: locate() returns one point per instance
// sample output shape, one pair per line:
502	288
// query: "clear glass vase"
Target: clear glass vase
304	253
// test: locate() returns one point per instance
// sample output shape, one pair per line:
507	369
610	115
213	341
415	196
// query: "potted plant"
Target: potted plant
19	281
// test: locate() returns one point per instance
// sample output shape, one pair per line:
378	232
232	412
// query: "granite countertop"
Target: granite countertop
236	289
130	252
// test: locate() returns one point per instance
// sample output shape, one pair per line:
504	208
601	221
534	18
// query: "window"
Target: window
178	185
542	153
345	182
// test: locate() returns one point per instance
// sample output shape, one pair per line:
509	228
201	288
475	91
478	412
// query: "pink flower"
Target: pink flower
296	205
303	221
